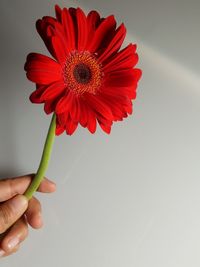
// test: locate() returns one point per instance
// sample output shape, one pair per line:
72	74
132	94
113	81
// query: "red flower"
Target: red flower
90	80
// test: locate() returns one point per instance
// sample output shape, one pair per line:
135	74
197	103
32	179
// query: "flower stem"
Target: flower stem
44	160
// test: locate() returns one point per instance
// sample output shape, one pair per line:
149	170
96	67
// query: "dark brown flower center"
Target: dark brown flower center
82	73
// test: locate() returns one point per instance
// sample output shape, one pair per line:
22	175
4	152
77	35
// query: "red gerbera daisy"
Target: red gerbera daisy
90	80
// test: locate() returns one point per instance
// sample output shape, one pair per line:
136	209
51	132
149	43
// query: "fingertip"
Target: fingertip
37	221
6	246
50	182
47	186
5	249
52	187
8	251
2	253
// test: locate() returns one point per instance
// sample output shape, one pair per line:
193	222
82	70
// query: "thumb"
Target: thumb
11	210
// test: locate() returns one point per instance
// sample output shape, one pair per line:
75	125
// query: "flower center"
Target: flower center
82	73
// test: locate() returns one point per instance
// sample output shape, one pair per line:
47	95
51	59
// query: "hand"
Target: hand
16	212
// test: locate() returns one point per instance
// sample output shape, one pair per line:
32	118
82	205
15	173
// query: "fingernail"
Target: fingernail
2	252
13	243
19	202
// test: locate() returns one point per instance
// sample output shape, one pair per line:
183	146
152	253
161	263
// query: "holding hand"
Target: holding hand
16	212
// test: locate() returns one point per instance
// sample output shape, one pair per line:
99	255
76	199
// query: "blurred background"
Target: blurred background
128	199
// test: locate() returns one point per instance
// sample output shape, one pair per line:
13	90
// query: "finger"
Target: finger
5	254
11	211
16	234
13	186
47	186
34	213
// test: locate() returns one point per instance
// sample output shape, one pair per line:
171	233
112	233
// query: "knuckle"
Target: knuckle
5	215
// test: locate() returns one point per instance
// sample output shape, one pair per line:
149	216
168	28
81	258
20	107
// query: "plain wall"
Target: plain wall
128	199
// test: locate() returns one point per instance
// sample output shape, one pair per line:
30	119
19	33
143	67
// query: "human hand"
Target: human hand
16	212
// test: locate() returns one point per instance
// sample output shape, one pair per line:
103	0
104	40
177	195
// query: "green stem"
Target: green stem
44	160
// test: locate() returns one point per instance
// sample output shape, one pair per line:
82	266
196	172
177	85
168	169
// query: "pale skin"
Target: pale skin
17	213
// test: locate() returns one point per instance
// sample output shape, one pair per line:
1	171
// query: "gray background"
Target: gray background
131	198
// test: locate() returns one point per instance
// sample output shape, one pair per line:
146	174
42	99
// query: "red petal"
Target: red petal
119	100
42	69
48	20
49	27
123	78
105	128
82	29
105	125
101	33
115	43
42	28
92	123
114	94
130	91
69	30
74	111
37	62
60	50
71	126
116	106
58	12
125	59
73	14
137	73
41	77
98	106
62	118
59	31
83	114
64	103
78	111
49	106
72	11
59	129
53	90
35	97
93	20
